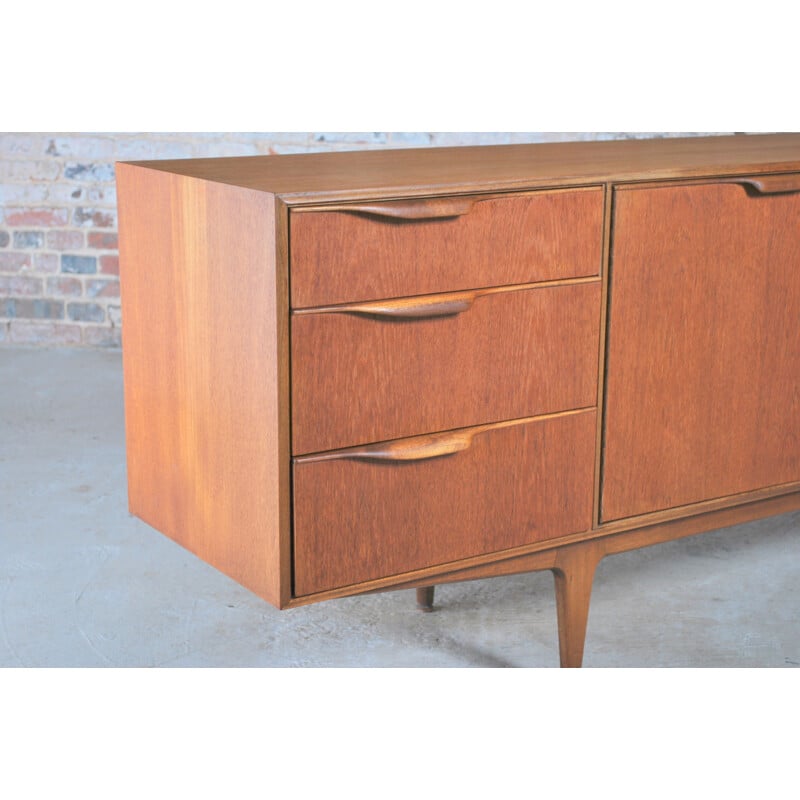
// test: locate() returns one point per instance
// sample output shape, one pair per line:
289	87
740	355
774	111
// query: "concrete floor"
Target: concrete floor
84	584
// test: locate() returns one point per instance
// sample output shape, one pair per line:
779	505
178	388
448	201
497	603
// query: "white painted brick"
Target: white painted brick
14	171
66	193
105	195
286	137
351	138
145	148
81	146
199	136
89	172
462	139
537	137
410	139
22	145
46	333
223	148
260	138
24	194
290	149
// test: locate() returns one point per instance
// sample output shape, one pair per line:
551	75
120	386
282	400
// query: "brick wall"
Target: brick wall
59	269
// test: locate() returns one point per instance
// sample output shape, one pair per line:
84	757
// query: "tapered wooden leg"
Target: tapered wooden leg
425	598
574	572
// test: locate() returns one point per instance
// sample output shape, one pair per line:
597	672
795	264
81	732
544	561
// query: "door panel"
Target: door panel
703	364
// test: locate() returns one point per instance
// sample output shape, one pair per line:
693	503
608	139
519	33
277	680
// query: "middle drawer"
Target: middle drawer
376	371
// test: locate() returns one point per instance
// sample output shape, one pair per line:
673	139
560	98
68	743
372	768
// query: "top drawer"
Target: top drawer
401	248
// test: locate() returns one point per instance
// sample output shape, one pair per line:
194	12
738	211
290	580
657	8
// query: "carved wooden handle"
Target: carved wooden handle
433	445
417	449
429	208
770	184
412	307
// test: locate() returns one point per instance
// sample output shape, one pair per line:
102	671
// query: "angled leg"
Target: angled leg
425	598
574	571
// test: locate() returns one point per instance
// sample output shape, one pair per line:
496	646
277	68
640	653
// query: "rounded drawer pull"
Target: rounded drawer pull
770	184
419	448
414	307
432	208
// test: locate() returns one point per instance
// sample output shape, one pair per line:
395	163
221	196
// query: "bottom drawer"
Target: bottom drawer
371	512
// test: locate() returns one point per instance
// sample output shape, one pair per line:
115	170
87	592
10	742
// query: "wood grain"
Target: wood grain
608	206
770	184
341	257
356	521
205	369
619	537
514	562
419	448
425	598
425	208
573	565
703	374
573	570
384	174
405	308
702	398
512	354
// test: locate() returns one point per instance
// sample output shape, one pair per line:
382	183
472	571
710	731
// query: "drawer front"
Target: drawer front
406	248
383	510
392	370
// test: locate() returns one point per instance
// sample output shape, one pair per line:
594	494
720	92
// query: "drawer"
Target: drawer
391	508
389	370
413	247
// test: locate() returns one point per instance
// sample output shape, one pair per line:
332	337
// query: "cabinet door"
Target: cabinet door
703	361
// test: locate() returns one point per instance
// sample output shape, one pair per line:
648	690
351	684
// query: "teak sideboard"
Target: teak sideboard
360	371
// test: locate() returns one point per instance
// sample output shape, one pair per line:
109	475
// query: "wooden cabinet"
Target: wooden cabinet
356	372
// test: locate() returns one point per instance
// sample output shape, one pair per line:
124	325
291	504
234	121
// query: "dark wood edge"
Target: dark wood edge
605	270
479	193
428	445
306	200
284	401
743	179
443	297
414	210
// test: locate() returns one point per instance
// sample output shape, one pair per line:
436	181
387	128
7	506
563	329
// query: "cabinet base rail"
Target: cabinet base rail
574	565
574	573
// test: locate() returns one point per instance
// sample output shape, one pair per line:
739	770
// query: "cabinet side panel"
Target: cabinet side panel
202	370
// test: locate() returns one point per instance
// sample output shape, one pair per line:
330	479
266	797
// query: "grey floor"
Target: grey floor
84	584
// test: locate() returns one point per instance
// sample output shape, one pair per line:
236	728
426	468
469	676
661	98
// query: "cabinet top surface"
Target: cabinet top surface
321	177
